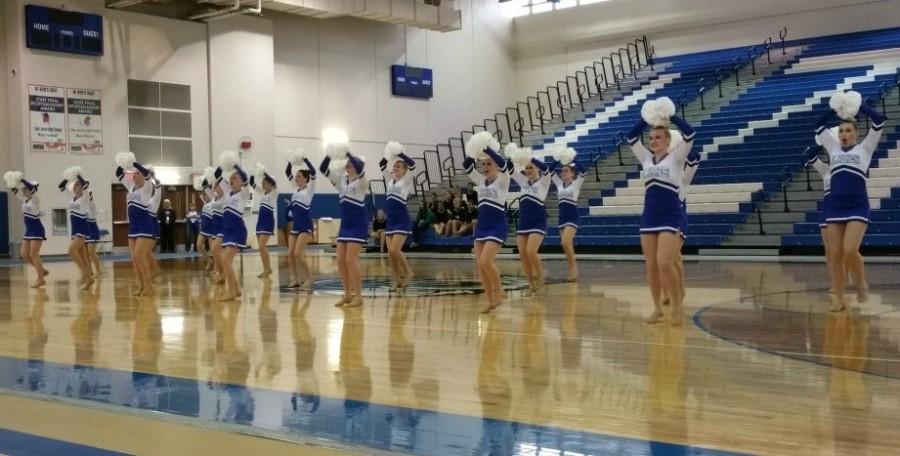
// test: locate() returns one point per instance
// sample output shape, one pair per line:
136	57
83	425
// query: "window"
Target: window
516	8
159	123
60	219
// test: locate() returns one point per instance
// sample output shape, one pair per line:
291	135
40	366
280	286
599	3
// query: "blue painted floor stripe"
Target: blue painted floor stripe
308	416
14	443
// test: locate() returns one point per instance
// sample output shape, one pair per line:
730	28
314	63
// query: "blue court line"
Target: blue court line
312	416
14	443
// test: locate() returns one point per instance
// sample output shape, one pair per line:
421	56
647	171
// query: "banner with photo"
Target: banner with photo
85	121
47	108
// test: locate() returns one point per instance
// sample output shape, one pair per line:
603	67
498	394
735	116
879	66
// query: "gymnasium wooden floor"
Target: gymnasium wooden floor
760	365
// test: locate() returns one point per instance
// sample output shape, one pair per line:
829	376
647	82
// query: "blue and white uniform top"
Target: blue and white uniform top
301	200
492	196
140	215
398	191
663	180
352	196
690	169
265	219
93	234
79	207
206	218
233	203
532	211
849	169
31	211
822	168
568	196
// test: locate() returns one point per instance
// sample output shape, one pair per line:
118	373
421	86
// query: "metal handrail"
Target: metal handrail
541	104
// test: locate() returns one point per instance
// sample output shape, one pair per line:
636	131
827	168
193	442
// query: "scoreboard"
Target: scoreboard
407	81
63	31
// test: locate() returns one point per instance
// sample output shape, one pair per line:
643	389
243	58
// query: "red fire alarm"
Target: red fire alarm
246	143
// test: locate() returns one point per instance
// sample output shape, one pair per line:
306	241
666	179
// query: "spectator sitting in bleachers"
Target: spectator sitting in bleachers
379	225
424	221
441	218
457	216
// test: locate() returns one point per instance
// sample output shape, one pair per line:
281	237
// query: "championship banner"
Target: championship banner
47	107
85	121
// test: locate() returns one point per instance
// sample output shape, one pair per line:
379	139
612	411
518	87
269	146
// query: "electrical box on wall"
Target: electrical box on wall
63	31
407	81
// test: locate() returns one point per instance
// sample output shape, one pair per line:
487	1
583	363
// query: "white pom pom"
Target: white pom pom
510	149
521	156
846	104
393	150
198	185
125	160
13	179
337	151
209	174
477	144
338	165
228	160
71	173
296	156
658	112
565	156
259	172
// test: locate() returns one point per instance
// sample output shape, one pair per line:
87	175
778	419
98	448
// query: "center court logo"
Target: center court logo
419	286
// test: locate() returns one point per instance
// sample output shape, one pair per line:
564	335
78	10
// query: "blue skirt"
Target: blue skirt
848	208
93	232
141	224
823	217
532	219
217	226
34	229
491	225
265	221
568	215
354	224
662	211
234	231
79	227
206	226
398	224
684	221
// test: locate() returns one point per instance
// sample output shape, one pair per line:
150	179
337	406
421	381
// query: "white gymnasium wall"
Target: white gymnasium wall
336	73
136	46
551	45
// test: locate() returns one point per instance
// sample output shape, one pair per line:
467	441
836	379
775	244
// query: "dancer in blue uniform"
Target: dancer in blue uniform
568	179
93	233
399	184
492	185
217	194
206	224
304	181
533	177
35	235
234	185
848	207
134	176
155	202
346	171
812	159
76	185
266	188
663	213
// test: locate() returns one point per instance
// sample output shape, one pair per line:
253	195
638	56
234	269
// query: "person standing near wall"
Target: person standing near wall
167	217
192	223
